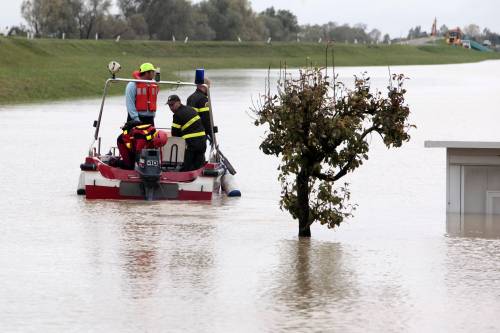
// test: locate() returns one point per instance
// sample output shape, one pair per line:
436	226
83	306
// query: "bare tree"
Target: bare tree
472	30
375	35
443	30
51	17
90	13
32	13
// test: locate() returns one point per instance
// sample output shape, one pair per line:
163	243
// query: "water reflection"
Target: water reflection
472	273
140	256
189	259
473	225
180	255
310	278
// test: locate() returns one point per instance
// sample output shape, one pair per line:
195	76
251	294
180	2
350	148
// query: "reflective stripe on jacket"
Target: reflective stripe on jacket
187	123
146	132
199	102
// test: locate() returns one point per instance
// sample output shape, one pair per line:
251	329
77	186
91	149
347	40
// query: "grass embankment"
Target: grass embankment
46	69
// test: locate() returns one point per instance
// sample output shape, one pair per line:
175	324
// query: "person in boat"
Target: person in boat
136	137
141	97
199	102
188	125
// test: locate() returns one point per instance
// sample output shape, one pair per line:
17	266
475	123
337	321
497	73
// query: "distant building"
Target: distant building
472	176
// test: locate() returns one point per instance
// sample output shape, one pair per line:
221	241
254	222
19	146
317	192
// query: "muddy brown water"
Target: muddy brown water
236	265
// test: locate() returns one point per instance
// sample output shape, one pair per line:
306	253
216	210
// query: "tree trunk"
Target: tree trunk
303	203
304	231
89	28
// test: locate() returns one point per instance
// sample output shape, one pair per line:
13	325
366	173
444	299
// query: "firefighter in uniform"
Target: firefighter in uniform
187	124
141	97
134	139
199	102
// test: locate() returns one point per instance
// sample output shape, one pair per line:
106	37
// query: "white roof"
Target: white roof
462	144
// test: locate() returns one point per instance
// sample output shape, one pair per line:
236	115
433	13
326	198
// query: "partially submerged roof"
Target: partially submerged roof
462	144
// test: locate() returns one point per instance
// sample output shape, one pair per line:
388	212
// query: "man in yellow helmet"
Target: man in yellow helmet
141	96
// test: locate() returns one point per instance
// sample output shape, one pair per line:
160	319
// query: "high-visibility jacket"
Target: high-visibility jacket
133	140
199	102
138	135
146	95
187	124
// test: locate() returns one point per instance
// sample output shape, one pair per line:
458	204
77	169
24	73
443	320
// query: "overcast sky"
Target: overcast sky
395	17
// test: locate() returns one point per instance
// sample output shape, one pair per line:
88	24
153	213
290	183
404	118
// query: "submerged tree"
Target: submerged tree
320	131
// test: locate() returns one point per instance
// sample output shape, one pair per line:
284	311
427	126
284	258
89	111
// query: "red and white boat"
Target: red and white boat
156	175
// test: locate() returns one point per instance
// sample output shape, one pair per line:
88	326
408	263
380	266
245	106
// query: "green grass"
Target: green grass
47	69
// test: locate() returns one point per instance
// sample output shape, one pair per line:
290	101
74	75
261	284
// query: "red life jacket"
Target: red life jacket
145	95
146	132
126	138
138	137
133	141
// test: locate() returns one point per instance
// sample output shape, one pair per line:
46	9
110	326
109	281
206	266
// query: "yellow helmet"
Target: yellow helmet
146	67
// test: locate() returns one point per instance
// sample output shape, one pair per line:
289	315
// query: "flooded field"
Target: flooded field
236	265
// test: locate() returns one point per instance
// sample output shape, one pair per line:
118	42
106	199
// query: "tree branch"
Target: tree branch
323	176
344	169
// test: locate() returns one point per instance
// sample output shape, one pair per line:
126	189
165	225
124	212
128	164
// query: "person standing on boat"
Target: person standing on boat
141	97
199	102
187	124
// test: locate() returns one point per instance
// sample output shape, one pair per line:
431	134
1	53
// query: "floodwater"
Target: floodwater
236	265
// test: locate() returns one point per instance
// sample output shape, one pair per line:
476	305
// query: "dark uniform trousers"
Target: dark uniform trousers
194	158
144	119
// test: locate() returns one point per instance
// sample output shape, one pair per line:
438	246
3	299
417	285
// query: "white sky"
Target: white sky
395	17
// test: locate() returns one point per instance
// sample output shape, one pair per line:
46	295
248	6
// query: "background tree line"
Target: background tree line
163	19
205	20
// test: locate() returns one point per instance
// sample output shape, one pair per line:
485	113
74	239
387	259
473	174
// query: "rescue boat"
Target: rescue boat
156	175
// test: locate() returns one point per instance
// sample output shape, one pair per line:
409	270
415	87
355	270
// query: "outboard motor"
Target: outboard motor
149	169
